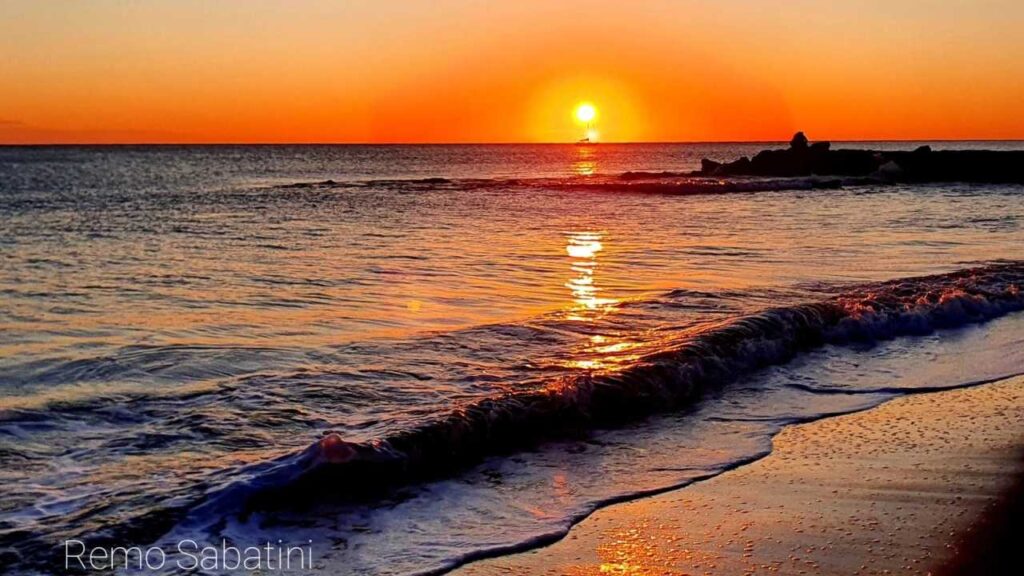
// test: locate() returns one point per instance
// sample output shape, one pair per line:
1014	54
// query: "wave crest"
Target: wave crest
677	374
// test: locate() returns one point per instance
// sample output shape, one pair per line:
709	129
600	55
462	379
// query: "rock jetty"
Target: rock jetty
803	158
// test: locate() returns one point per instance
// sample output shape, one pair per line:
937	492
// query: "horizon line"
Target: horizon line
486	143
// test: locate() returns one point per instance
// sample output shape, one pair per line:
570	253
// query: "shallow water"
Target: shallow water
177	319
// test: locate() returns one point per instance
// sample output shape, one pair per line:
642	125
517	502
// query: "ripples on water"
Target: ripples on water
175	316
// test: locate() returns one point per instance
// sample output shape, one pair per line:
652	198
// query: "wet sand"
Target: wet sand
919	485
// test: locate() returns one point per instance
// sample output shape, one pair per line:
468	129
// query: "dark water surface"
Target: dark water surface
180	325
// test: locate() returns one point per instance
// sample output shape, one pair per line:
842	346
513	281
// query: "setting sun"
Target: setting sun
586	112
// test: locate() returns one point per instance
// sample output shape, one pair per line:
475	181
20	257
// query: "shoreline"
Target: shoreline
924	483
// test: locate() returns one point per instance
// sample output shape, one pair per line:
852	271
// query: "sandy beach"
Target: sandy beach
898	489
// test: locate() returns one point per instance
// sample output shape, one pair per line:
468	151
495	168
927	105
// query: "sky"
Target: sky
109	71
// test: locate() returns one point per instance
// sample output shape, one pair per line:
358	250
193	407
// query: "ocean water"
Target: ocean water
413	356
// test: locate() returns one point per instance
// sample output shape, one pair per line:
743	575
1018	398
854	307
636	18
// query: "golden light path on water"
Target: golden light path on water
583	248
586	160
588	304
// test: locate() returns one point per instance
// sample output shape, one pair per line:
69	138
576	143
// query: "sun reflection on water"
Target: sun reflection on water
588	305
583	248
586	162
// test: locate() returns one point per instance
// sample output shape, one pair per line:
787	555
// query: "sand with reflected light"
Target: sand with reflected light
891	490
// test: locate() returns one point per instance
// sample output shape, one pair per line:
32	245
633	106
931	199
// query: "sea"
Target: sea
408	357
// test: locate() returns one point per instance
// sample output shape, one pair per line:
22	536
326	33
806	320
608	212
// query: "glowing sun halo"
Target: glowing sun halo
586	112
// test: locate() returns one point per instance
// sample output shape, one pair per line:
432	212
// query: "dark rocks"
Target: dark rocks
797	161
780	162
849	163
921	165
819	147
890	171
741	165
709	166
983	166
800	159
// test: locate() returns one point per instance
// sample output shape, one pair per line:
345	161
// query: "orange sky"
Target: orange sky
475	71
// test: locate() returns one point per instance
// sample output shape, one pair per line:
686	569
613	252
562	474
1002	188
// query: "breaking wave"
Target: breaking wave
683	369
680	370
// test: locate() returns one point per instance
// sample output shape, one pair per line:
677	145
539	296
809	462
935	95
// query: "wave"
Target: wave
679	371
676	375
374	182
662	183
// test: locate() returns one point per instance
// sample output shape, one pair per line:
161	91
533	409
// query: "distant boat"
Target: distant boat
583	141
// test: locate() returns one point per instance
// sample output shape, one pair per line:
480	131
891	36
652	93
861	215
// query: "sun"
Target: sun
586	112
